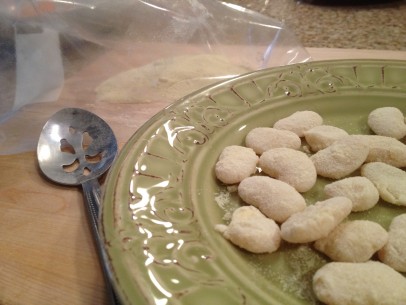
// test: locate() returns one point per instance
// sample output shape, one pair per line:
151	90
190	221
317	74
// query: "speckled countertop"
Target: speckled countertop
371	26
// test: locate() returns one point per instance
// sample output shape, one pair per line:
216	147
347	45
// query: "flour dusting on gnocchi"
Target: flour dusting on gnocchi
236	163
316	221
394	251
369	283
360	190
299	122
274	173
276	199
388	121
291	166
322	136
251	230
262	139
353	241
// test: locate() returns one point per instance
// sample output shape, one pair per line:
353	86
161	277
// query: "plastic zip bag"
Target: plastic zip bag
87	52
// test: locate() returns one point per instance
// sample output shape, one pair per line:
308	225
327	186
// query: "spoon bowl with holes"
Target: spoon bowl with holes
75	148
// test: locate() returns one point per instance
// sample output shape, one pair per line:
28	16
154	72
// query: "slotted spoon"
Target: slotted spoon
75	148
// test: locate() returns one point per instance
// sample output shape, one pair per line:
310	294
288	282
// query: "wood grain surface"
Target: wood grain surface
47	255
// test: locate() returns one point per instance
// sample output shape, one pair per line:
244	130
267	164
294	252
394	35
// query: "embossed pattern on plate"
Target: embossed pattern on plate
162	200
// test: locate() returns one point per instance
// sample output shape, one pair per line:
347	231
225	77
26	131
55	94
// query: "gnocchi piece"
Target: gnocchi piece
264	138
394	252
322	136
316	221
384	149
291	166
341	158
360	190
389	180
251	230
299	122
369	283
387	121
353	241
275	199
236	163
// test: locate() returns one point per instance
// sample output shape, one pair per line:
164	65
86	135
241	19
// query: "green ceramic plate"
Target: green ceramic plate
162	201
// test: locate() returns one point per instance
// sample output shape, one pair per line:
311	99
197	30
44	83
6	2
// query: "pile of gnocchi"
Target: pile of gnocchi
272	171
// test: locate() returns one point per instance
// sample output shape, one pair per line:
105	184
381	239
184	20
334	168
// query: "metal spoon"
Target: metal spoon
76	147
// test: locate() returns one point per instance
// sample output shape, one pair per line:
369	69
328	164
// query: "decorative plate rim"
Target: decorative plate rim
185	125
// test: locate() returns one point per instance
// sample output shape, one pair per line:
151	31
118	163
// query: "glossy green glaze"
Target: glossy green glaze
162	200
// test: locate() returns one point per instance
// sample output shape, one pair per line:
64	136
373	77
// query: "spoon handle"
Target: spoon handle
91	193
